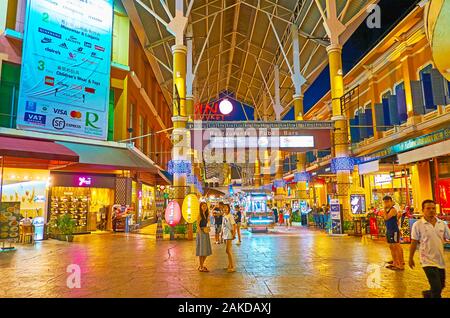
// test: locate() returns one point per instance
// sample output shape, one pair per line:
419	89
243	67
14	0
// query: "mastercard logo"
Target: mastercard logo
75	114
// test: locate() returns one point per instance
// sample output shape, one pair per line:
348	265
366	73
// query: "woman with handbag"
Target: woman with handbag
203	248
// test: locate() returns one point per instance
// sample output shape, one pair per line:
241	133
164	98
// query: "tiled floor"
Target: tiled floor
295	263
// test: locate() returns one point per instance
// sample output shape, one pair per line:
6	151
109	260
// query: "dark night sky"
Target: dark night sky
359	44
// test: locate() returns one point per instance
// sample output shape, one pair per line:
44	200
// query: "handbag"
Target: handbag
206	229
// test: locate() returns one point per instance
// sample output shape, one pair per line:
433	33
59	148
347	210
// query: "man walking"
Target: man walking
430	233
393	234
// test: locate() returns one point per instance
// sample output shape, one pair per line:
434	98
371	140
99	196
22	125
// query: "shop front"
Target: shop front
28	187
86	198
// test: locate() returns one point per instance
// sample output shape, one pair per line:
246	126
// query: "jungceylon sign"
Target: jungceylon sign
246	141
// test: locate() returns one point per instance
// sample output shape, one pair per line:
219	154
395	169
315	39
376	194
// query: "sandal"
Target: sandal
231	270
394	268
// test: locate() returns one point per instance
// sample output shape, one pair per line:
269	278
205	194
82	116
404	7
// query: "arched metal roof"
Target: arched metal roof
242	50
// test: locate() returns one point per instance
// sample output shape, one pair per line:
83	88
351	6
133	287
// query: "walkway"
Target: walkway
298	263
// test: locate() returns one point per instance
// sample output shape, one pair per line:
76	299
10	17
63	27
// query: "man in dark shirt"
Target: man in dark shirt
218	216
393	234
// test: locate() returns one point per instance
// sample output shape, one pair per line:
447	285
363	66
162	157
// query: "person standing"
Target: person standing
393	234
238	220
430	233
218	216
287	215
203	246
275	214
229	234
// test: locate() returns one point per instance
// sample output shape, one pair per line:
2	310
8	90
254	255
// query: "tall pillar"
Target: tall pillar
301	157
266	170
343	163
180	136
280	192
257	177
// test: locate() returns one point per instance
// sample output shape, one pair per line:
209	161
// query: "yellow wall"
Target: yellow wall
421	183
121	38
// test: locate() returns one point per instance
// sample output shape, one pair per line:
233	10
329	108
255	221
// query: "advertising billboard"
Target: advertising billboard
66	61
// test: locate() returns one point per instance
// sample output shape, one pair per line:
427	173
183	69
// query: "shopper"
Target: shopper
393	234
229	234
275	214
203	248
238	220
430	233
218	216
280	216
287	215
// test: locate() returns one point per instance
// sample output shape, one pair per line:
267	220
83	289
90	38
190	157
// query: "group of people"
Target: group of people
282	216
226	227
429	234
321	215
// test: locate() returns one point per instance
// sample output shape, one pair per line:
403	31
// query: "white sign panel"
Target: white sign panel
66	63
297	142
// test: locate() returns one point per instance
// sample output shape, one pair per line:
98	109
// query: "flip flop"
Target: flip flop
394	268
231	270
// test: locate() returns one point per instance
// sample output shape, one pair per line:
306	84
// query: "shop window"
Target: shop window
140	132
425	78
354	130
369	121
362	122
9	94
401	102
130	119
28	187
111	115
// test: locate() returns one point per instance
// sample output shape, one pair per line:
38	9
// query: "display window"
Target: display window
27	187
148	203
89	207
399	188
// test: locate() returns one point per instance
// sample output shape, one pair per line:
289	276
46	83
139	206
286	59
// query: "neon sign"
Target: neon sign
84	181
215	111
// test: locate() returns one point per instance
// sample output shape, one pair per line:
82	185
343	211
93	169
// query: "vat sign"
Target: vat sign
84	181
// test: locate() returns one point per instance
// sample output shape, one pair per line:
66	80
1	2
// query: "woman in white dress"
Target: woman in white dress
229	234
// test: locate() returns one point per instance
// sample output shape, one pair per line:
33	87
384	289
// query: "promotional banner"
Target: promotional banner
65	79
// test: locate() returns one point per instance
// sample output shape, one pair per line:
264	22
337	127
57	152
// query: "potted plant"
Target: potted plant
180	231
66	226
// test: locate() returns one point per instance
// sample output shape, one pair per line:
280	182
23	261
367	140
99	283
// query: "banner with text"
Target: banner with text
66	62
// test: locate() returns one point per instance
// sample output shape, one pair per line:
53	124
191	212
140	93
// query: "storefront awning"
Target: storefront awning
111	157
424	153
36	149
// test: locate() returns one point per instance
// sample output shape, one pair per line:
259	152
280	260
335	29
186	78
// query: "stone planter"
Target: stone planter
296	223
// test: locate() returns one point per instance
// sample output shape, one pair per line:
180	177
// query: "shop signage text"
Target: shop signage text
411	144
66	64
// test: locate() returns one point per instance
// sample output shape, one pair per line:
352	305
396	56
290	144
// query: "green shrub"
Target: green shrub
65	225
166	229
180	229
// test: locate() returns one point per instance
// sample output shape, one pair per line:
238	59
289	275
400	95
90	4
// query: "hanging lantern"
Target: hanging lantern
173	213
437	29
191	208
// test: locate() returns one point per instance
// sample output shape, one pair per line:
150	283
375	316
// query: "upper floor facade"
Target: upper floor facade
137	105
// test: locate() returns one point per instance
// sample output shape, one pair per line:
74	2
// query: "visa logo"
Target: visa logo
60	111
35	118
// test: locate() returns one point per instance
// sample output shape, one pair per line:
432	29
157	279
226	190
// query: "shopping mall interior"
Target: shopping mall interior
140	137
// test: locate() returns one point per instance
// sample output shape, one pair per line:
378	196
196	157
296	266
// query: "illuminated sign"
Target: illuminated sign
66	67
382	179
297	142
84	181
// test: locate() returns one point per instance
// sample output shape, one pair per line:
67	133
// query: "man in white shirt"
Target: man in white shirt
430	234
